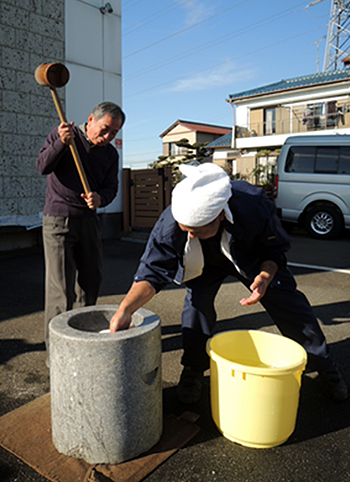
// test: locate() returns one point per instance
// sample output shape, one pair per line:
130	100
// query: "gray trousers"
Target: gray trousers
73	264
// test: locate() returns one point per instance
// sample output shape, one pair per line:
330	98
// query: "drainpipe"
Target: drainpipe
233	142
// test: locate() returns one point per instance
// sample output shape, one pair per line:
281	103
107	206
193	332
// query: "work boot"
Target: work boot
334	383
189	389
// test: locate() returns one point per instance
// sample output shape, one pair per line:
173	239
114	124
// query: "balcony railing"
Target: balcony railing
301	120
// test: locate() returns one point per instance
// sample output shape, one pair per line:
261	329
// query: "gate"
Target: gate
146	193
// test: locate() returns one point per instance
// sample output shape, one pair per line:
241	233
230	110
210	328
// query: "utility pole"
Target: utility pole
338	35
317	42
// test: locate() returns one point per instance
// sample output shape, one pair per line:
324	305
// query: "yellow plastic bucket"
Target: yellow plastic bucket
255	380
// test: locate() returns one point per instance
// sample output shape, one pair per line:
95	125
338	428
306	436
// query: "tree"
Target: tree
196	153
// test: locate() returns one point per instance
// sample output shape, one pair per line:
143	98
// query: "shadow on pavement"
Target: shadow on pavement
16	346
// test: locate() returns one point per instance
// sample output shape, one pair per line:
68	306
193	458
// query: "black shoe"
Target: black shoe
334	383
189	389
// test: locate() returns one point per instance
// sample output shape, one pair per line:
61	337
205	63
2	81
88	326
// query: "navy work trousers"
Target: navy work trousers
288	308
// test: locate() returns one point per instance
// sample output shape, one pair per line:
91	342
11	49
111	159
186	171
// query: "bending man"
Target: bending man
215	228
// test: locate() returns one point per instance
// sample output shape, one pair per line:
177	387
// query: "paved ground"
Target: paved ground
317	451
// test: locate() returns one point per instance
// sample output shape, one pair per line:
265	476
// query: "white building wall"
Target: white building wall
73	32
93	57
242	108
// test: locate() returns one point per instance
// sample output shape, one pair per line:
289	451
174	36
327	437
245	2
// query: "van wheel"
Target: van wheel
323	222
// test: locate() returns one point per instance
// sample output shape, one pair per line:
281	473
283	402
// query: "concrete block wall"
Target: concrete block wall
32	32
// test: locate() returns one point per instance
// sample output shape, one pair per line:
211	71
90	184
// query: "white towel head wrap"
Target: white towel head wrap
199	198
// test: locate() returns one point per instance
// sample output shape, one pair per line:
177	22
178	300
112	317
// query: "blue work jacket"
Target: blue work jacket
257	236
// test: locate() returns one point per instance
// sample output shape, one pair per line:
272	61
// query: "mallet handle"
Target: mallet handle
72	144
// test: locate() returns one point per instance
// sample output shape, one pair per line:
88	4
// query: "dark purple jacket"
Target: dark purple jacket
64	187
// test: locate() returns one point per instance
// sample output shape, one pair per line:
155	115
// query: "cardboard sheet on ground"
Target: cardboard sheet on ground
26	433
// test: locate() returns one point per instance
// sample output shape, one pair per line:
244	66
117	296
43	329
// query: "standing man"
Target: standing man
71	229
215	228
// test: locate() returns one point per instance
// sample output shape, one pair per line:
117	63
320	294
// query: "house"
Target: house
193	132
238	164
223	154
267	115
86	38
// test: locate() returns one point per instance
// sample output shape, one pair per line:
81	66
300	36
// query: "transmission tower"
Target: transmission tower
338	35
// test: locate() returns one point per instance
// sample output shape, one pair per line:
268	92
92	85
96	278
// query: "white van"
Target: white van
312	185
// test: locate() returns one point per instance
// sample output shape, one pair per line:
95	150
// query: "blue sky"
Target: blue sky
183	58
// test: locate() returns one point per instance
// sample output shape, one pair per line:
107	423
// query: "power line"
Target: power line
151	18
221	63
185	29
129	6
225	38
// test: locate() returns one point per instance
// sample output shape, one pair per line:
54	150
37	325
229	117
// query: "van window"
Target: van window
327	160
344	160
320	160
301	159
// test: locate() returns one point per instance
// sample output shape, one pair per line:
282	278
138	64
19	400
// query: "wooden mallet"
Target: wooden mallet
54	76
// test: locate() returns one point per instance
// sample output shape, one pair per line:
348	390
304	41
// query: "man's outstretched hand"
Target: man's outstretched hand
260	283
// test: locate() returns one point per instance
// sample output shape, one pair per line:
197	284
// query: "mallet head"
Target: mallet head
52	75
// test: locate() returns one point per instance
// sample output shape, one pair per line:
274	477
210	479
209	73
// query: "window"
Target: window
320	160
175	150
321	115
344	160
270	120
301	159
327	160
316	116
331	114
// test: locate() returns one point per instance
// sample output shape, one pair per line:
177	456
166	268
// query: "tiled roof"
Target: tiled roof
223	141
296	82
198	127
